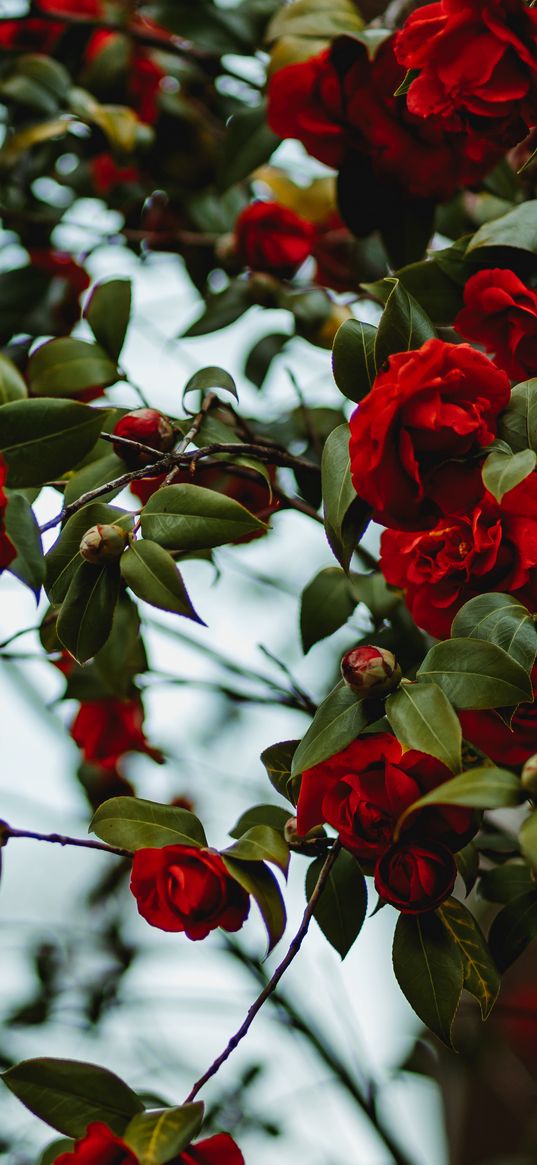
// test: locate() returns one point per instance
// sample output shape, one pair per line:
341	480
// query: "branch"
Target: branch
6	831
267	991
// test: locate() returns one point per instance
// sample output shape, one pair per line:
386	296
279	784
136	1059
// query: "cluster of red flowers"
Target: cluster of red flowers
362	792
100	1146
185	889
7	549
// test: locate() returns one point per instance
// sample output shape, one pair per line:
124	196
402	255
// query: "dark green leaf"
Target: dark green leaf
249	141
259	881
503	883
429	970
66	366
485	787
108	312
439	295
221	309
345	515
260	843
338	720
12	384
41	439
157	1137
131	823
423	718
189	517
501	472
476	674
342	906
467	860
22	529
272	815
517	230
98	472
262	354
513	929
69	1095
353	358
528	839
52	1151
481	977
85	619
211	378
327	602
499	619
64	558
404	325
278	760
518	424
151	573
123	656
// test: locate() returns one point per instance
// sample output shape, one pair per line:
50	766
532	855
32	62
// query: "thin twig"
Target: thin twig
7	831
292	952
193	431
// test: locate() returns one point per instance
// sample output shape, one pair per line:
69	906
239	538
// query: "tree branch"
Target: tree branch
7	831
292	952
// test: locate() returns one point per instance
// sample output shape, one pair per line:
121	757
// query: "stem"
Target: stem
6	831
193	431
267	991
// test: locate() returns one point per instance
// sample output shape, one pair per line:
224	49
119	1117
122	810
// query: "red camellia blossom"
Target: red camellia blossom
149	427
100	1146
363	790
106	174
108	728
340	104
505	746
271	237
415	877
500	313
7	549
426	408
493	548
477	62
183	888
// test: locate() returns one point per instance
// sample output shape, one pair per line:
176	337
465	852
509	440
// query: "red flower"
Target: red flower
500	313
69	281
36	35
149	427
218	1150
493	548
477	62
340	105
106	174
106	729
414	877
363	790
251	493
181	888
426	408
7	549
505	746
98	1146
270	237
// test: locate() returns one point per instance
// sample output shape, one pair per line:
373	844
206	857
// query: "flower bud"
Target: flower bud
293	837
149	427
103	543
371	671
529	775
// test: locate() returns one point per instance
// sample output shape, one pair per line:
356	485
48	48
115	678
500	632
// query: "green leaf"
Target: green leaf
151	573
52	1151
211	378
66	366
155	1137
64	558
513	929
259	881
260	357
467	860
69	1095
373	590
12	384
503	471
98	472
278	760
315	19
404	324
41	439
248	142
341	909
327	602
272	815
338	720
502	620
423	718
481	977
132	823
123	656
108	312
476	674
189	517
222	309
528	839
22	529
518	423
353	358
260	843
345	515
485	787
85	619
439	295
429	970
503	883
516	230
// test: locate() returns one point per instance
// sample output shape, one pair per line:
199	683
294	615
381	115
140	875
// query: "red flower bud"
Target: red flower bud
103	543
415	877
149	427
371	670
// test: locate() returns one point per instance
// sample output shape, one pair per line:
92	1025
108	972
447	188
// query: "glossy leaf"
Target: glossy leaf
528	839
249	142
260	357
517	230
503	883
423	718
22	529
98	472
132	823
41	439
211	378
345	515
85	619
338	721
259	881
429	970
12	384
404	324
273	815
67	366
158	1136
481	977
69	1094
501	472
485	787
64	558
341	909
353	358
327	602
476	674
152	575
518	423
502	620
260	843
278	761
108	312
189	517
513	929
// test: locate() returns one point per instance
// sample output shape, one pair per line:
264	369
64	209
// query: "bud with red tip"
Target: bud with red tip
103	544
529	775
147	426
371	671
